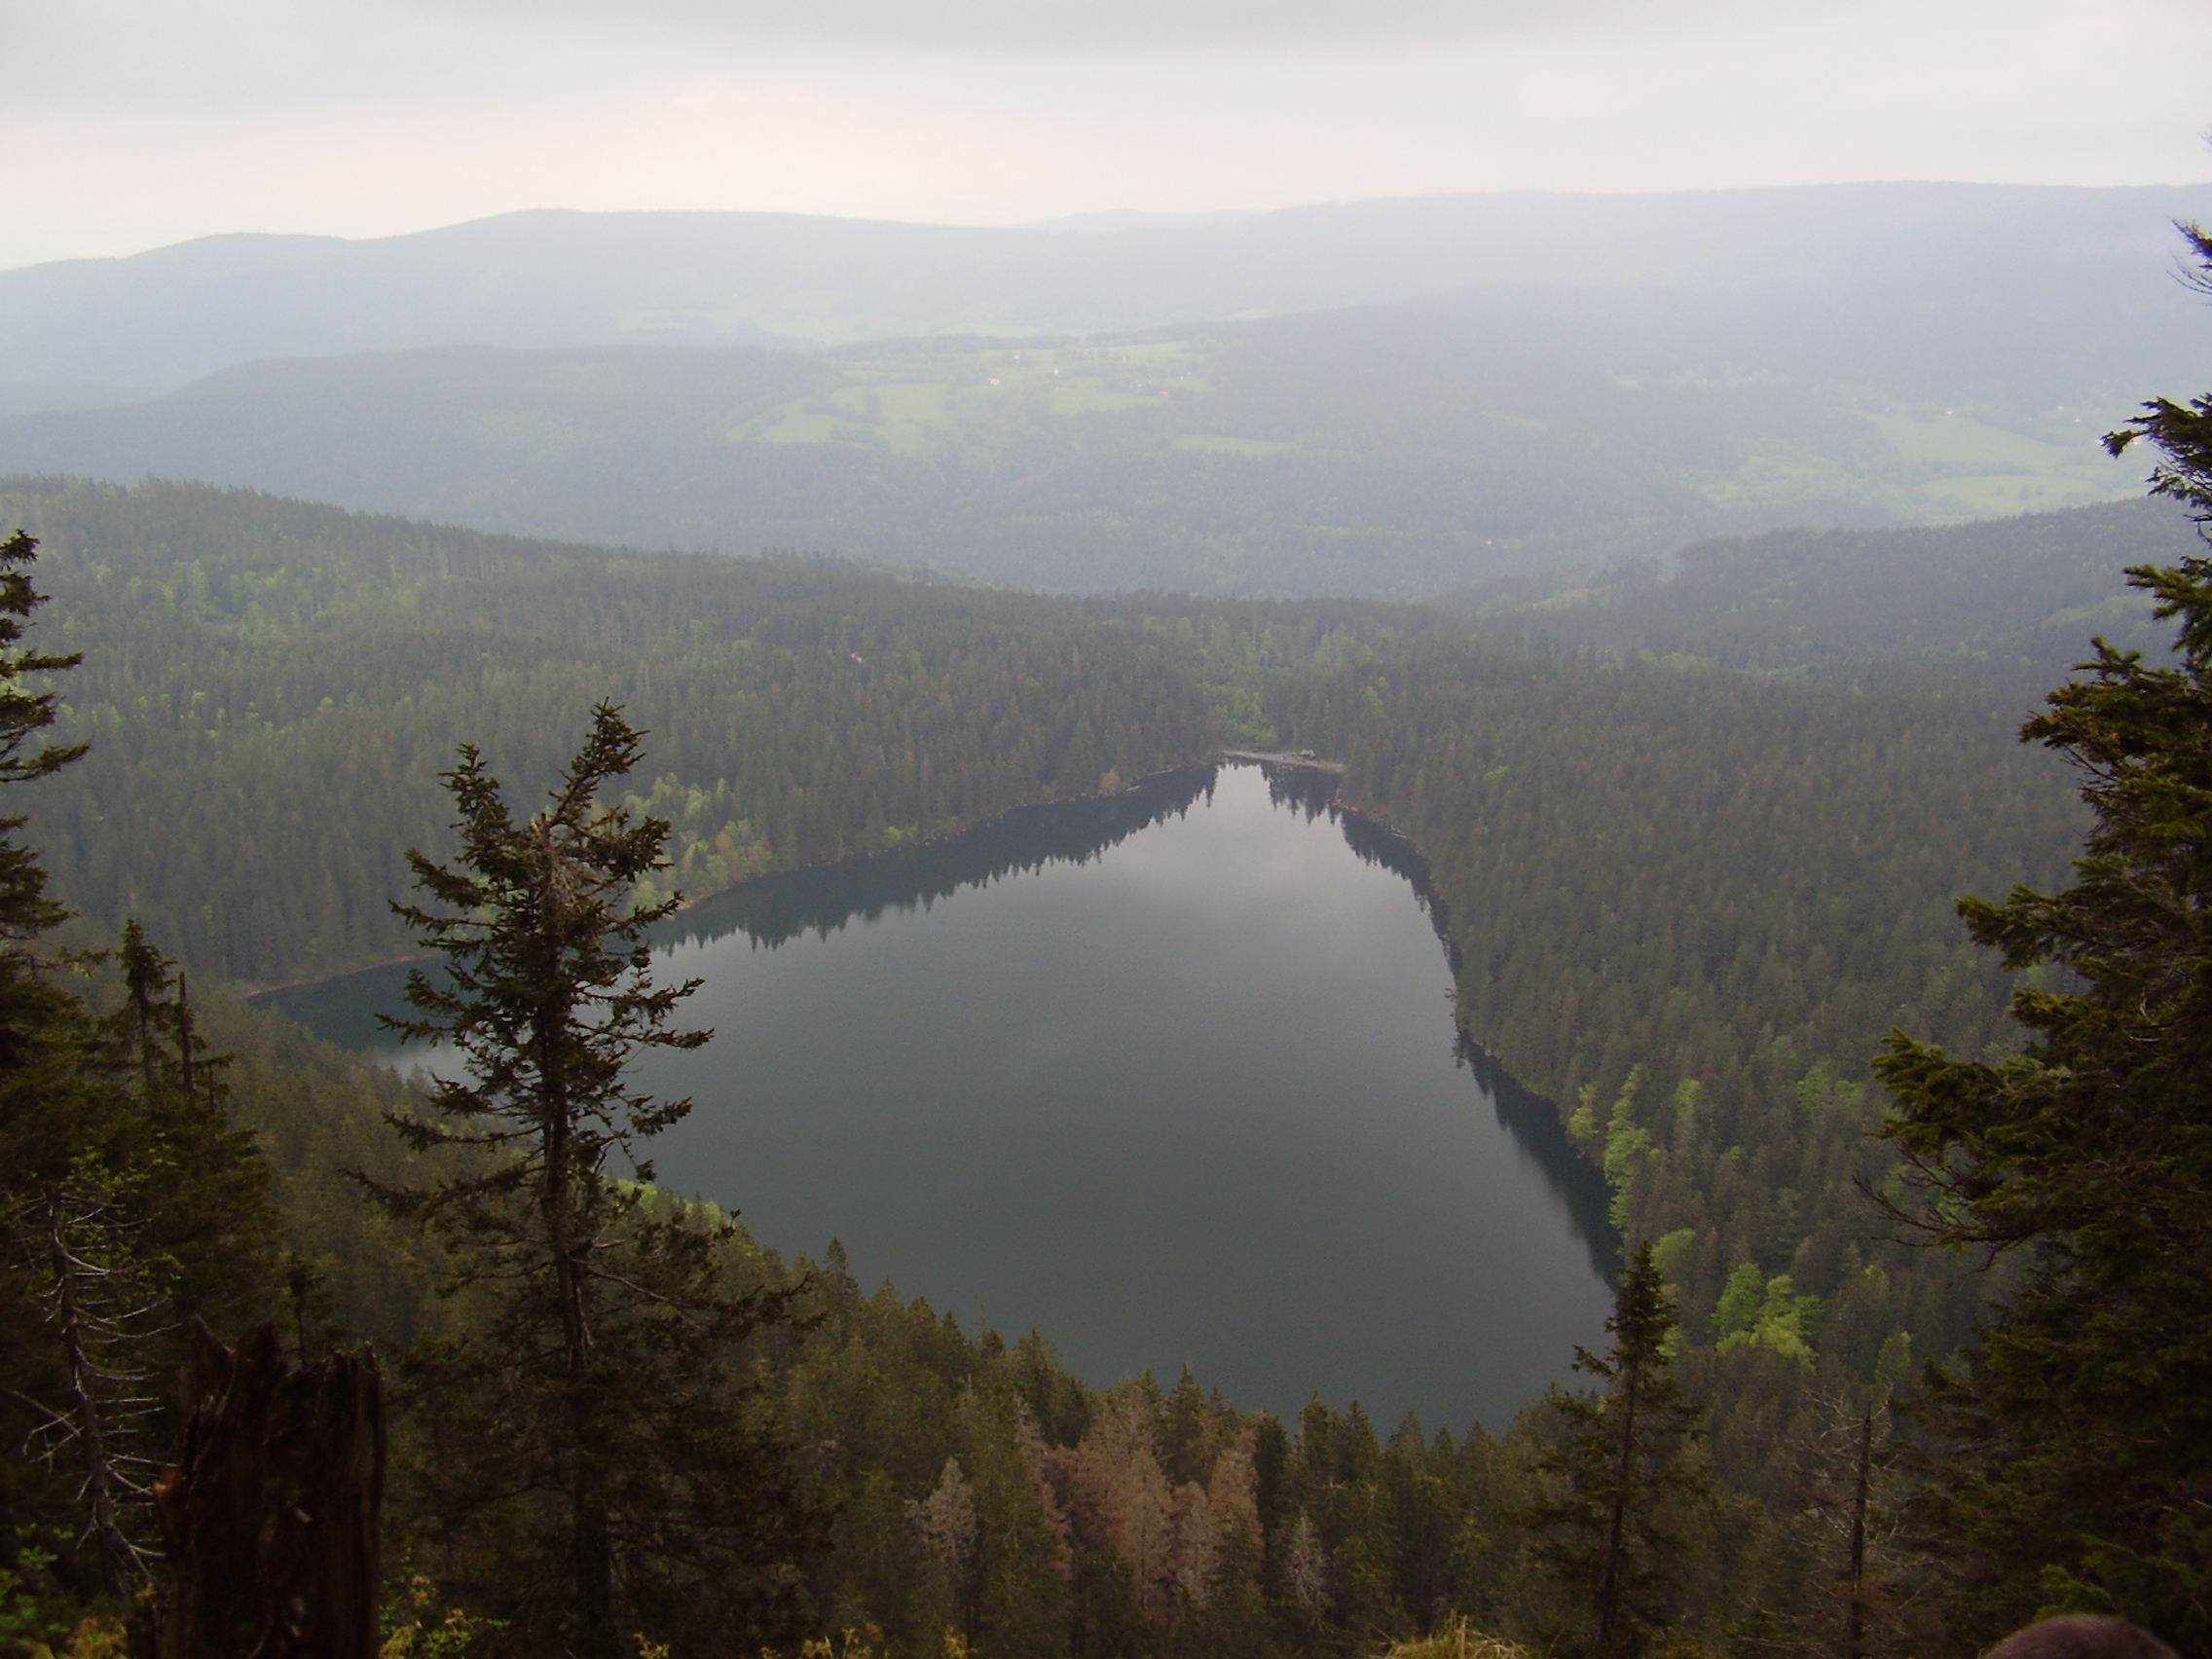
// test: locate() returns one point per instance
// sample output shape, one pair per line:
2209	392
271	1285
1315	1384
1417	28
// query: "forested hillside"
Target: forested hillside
1687	901
1694	835
281	685
1396	452
1695	898
1683	873
2017	597
970	1482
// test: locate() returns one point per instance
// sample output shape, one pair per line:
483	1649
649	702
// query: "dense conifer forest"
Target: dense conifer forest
2013	597
266	654
1691	876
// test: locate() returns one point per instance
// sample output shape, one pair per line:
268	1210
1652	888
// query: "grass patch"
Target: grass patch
1995	495
1456	1641
1931	467
1213	443
923	396
1088	398
1960	440
796	426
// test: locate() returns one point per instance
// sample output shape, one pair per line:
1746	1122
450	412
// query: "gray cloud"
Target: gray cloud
138	122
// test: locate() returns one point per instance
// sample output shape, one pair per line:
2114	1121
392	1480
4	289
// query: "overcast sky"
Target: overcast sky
128	123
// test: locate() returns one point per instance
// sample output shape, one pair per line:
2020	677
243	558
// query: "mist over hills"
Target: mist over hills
1977	258
2016	597
1397	451
1654	586
1392	399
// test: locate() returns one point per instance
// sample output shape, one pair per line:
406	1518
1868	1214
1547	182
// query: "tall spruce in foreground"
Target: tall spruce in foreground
2074	1466
1619	1480
593	1465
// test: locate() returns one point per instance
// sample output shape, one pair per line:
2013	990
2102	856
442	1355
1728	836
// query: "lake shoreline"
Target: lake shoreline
1370	833
254	991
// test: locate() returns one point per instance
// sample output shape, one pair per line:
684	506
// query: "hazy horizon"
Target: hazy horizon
1105	221
138	127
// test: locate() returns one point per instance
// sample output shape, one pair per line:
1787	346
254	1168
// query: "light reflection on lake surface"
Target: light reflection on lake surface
1172	1078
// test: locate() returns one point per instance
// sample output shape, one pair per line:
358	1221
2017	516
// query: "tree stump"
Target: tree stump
271	1512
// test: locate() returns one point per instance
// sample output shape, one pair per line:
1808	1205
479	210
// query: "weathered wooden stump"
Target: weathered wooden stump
273	1510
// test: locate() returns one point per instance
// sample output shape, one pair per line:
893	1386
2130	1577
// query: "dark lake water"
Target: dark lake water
1172	1078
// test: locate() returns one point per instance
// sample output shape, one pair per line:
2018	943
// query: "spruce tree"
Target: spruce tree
1619	1480
38	1043
2075	1434
27	710
64	1540
136	1210
127	1205
208	1212
593	1463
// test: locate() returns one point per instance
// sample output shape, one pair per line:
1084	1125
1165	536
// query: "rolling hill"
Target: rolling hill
1395	451
2084	268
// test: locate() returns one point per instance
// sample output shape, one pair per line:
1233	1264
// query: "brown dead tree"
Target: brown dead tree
271	1512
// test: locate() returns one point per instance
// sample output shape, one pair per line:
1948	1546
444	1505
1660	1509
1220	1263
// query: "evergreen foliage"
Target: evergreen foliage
2075	1432
1685	900
1608	1529
2010	597
29	1005
128	1209
589	1441
280	684
1685	904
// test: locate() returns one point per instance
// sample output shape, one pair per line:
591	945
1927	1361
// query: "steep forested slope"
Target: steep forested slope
1695	875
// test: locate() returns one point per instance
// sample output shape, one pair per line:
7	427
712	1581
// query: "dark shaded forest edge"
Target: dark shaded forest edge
1692	886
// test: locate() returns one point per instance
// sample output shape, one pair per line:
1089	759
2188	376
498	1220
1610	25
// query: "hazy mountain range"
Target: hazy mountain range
1393	398
153	321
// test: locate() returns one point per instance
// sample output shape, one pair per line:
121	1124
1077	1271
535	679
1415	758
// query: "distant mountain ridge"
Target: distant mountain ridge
1397	451
154	321
1390	400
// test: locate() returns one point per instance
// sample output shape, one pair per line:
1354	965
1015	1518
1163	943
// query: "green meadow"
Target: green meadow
925	398
985	399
